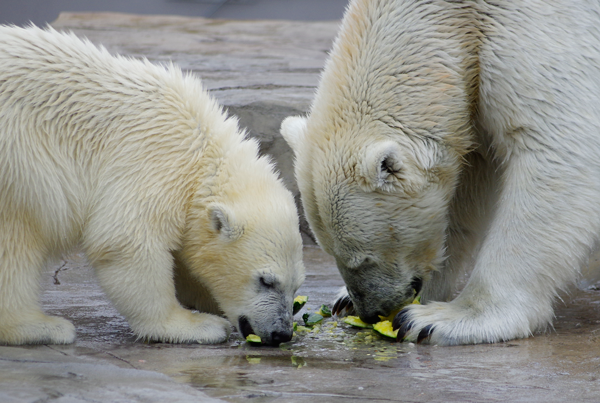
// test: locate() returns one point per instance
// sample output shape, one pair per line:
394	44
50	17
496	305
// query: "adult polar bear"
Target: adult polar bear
141	166
445	133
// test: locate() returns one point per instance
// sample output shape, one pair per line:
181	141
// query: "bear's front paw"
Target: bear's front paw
184	326
36	328
213	329
448	323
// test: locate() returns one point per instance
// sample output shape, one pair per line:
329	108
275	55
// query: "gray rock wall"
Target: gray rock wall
261	71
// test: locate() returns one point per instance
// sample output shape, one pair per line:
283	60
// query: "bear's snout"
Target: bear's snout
274	338
280	337
371	319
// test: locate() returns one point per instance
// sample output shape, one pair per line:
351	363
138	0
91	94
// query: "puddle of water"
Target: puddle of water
327	347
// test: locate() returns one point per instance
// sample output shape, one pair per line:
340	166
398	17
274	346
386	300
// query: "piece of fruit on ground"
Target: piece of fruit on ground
324	311
299	302
254	339
386	329
356	322
311	319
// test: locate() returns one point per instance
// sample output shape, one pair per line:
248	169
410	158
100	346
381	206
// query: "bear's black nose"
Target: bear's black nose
280	337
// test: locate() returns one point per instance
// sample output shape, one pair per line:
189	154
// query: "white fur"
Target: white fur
137	164
495	109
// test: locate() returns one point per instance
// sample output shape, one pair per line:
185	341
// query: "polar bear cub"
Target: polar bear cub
138	165
453	134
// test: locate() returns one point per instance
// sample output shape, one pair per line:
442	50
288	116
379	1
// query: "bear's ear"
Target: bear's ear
382	166
222	221
292	130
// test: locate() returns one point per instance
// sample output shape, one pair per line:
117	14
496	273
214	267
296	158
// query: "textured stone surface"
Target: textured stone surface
261	71
49	374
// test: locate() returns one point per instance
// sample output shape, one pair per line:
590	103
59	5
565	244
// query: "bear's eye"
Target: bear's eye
267	282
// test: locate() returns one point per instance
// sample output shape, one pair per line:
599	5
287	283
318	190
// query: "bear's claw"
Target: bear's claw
425	333
402	323
342	303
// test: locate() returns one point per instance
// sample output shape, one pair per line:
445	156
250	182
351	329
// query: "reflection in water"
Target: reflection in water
216	372
385	354
253	359
299	362
328	346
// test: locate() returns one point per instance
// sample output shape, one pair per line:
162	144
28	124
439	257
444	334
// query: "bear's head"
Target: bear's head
243	244
377	199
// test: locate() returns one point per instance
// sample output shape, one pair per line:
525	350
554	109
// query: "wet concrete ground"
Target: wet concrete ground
332	364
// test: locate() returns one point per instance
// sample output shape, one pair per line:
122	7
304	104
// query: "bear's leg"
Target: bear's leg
191	292
22	261
543	229
469	216
140	284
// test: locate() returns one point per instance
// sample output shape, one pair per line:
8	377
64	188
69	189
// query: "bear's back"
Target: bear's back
79	92
79	126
